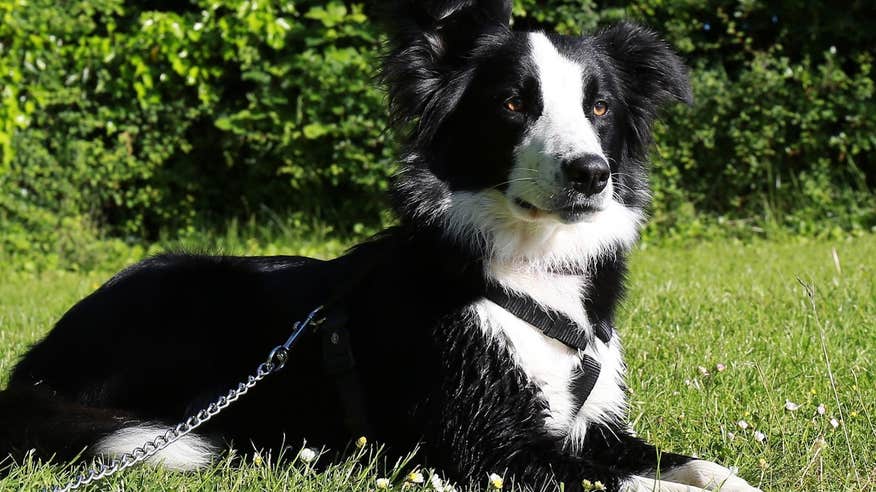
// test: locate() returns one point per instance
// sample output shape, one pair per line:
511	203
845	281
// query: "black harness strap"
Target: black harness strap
337	353
340	365
552	323
560	327
584	380
603	331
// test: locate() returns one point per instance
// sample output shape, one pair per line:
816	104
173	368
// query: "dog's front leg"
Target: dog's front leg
652	469
637	483
708	475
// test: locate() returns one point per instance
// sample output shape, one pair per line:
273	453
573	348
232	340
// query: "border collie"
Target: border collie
480	328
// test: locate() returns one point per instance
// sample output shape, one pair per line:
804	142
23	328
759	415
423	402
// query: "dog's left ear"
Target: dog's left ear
652	76
649	66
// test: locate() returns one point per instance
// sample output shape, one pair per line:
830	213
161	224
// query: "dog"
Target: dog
480	328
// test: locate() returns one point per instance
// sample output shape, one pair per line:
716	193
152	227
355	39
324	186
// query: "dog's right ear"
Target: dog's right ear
429	44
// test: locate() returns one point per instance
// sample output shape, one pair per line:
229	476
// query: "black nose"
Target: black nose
588	174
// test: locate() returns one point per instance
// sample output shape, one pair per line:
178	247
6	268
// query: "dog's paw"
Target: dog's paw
734	484
709	476
645	484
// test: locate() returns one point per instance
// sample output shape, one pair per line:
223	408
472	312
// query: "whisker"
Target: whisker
534	171
515	180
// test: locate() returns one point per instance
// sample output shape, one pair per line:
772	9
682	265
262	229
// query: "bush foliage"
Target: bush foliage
126	119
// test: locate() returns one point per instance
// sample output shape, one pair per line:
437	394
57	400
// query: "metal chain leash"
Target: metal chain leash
274	363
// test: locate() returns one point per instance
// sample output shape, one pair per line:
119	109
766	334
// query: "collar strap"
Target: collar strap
553	324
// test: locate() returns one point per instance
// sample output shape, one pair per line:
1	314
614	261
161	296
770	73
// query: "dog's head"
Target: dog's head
531	144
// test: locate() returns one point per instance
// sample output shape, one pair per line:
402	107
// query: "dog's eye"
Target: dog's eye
600	108
514	104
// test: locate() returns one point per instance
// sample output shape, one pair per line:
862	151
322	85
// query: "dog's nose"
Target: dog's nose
588	174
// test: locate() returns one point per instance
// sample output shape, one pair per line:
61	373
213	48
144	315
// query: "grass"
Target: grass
689	310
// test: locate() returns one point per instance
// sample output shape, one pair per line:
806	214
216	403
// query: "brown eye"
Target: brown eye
600	108
515	105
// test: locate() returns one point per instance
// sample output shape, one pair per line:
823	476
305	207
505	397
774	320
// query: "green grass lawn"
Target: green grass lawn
716	335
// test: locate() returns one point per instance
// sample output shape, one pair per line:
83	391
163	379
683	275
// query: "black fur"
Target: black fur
169	334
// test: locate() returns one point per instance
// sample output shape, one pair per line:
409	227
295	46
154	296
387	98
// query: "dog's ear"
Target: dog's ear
430	42
648	65
651	73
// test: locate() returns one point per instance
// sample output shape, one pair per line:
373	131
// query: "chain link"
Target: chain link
275	362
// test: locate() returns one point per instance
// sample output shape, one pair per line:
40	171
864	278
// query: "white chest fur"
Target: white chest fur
550	364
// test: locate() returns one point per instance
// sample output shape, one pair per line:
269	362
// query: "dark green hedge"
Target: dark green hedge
129	118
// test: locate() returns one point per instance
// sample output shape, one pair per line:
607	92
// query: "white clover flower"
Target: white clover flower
415	477
834	423
730	436
791	406
703	371
819	444
307	455
742	424
496	481
361	442
382	483
589	486
436	482
759	436
720	367
832	50
821	410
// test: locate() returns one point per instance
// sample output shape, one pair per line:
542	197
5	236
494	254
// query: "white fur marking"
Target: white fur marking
487	217
189	453
709	475
563	128
644	484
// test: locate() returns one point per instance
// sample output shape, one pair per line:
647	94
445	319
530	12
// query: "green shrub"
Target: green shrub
125	119
783	133
135	120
